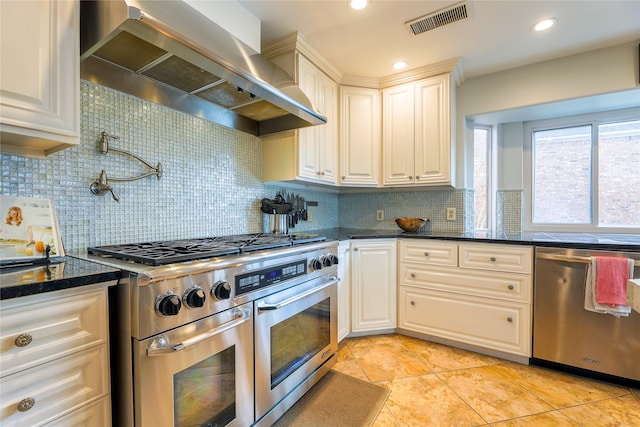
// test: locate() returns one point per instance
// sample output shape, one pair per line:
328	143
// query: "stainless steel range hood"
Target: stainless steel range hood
173	55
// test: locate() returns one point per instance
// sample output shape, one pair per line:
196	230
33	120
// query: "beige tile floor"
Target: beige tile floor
437	385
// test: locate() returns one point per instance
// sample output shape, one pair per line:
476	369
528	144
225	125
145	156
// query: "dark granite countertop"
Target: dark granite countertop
63	273
72	272
624	242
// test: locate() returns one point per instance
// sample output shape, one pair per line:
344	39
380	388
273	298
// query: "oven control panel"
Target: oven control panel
259	279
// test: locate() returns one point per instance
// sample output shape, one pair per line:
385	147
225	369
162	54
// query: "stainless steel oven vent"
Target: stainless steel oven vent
172	55
439	18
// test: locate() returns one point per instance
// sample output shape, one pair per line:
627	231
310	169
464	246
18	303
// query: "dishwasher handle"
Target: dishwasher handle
573	258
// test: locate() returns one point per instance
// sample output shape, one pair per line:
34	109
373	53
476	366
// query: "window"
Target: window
584	173
481	178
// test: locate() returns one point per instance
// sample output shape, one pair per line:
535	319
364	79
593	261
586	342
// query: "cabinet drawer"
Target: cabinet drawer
494	324
514	259
95	414
57	388
508	286
429	252
56	327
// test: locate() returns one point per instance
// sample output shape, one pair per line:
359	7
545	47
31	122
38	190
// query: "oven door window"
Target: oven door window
204	394
297	339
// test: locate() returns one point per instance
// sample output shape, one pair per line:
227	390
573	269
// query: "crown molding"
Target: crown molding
298	42
452	66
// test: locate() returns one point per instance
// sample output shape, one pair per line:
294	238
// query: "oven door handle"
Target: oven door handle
263	306
241	317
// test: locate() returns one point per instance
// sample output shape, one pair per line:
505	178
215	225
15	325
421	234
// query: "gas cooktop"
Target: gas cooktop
173	251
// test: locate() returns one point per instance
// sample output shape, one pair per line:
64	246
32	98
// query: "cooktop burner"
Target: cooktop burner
173	251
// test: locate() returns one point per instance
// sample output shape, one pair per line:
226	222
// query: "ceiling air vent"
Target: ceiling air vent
439	18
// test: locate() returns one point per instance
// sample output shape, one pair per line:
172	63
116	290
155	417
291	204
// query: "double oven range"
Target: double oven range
220	331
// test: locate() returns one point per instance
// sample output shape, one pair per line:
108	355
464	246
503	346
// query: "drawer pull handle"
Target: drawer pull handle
493	259
413	303
510	319
413	275
510	287
426	254
23	340
25	404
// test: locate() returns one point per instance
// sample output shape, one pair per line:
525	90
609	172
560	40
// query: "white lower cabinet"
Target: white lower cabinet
485	303
54	359
344	289
495	324
373	285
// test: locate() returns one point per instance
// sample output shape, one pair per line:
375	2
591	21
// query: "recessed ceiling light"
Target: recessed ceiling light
358	4
399	65
545	24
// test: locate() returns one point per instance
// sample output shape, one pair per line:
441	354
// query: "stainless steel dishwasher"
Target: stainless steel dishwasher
567	335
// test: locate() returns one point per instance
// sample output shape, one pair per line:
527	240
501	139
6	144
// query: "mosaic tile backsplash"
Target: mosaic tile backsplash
211	183
358	210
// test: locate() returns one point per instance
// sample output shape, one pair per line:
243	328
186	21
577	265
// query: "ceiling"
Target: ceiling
497	35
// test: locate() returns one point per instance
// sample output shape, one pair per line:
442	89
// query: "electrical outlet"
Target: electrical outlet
451	214
309	216
379	215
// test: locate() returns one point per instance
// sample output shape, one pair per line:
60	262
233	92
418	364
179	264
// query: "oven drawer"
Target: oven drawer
39	395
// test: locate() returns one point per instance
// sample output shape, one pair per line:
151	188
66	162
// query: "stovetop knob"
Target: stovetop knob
333	259
315	264
221	290
326	260
194	297
169	305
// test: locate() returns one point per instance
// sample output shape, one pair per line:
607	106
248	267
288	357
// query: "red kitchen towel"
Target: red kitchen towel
612	274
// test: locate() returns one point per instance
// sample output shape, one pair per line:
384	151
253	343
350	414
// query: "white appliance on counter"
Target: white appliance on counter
633	294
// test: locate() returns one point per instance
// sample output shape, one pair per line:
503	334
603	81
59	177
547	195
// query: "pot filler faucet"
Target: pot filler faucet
101	186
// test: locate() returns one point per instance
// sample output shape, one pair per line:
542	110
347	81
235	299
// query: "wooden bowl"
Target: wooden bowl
410	224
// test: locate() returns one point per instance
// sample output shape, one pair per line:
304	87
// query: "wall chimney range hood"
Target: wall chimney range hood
169	53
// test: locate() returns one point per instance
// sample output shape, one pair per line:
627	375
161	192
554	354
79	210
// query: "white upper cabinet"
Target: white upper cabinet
417	133
39	77
311	153
359	136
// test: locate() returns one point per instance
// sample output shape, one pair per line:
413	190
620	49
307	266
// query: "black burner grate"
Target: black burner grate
173	251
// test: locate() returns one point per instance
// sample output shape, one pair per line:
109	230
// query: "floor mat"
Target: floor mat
336	400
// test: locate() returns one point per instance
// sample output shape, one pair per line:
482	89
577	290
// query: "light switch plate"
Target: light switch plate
379	215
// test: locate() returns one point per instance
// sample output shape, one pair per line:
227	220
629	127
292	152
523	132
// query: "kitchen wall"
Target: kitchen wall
358	210
211	183
598	80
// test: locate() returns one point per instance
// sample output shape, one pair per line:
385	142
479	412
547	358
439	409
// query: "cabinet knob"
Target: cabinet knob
23	340
355	249
344	177
510	287
25	404
493	259
413	303
413	274
426	254
417	178
510	319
